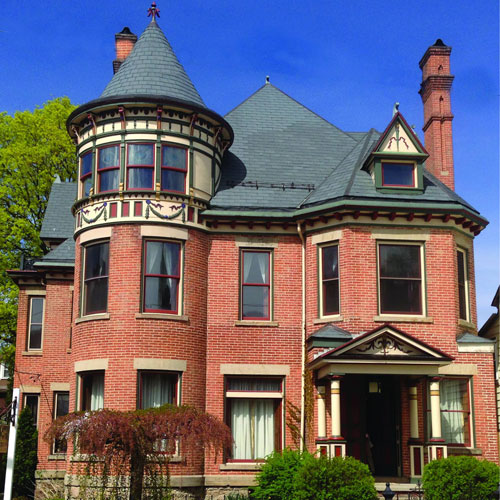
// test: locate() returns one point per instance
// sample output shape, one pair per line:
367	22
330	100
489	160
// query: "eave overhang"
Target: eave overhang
103	103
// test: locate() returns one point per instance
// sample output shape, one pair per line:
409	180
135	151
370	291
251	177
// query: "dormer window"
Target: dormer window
398	174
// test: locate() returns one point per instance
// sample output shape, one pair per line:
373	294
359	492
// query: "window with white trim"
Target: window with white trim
35	327
463	285
254	414
255	294
400	272
329	288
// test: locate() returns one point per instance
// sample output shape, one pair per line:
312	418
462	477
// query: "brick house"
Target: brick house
266	267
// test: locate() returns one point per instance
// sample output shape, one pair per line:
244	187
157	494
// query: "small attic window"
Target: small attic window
398	174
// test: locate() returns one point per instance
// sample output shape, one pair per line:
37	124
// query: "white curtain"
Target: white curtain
252	425
97	392
256	267
453	393
157	390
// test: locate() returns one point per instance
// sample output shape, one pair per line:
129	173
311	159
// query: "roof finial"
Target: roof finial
267	79
395	109
153	11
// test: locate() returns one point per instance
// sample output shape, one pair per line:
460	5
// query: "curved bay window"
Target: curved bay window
400	279
254	412
86	173
140	166
95	278
108	168
173	168
162	268
330	280
157	389
256	284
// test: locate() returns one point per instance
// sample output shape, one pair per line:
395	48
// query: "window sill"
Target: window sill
467	324
172	317
92	317
328	319
463	450
32	353
403	318
245	322
241	466
57	456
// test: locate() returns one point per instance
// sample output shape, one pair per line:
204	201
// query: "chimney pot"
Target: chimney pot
124	43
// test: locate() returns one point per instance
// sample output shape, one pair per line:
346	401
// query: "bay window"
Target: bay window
86	173
140	166
108	168
35	323
157	389
254	414
173	169
400	278
92	391
162	274
330	292
95	281
256	285
463	285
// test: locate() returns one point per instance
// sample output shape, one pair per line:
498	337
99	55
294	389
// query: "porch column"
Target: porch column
435	410
416	446
321	411
335	397
413	395
437	448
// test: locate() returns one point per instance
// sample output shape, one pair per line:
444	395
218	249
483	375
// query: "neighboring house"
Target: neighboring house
491	330
211	261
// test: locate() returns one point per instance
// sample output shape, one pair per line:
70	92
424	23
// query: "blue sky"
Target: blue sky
349	61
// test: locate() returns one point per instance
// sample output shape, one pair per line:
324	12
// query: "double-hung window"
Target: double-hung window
256	285
140	166
95	278
400	278
32	402
108	168
61	408
455	408
463	285
330	291
162	275
254	414
91	391
173	169
86	173
35	327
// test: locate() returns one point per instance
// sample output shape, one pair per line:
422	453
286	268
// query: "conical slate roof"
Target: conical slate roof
152	69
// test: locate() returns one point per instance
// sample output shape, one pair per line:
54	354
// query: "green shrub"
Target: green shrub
292	475
333	479
274	481
460	478
23	482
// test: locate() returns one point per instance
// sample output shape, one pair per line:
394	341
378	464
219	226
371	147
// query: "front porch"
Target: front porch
378	400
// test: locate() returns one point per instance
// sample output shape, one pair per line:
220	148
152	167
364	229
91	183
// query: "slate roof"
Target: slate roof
469	338
331	331
58	222
152	69
63	254
278	141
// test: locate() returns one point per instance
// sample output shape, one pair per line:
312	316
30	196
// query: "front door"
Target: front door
371	421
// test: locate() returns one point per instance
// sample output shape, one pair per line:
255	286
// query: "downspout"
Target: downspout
303	343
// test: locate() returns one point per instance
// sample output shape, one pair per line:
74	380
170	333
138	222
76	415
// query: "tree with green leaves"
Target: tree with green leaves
23	483
34	148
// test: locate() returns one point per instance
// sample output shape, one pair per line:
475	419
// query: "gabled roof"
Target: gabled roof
152	69
58	222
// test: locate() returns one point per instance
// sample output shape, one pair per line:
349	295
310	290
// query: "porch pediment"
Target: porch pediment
385	345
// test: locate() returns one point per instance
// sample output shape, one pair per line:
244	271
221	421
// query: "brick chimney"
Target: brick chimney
435	92
124	43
